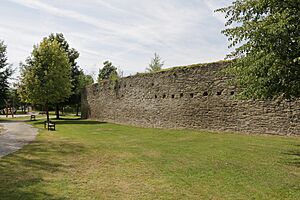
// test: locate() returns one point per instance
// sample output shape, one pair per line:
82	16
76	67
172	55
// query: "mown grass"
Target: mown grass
92	160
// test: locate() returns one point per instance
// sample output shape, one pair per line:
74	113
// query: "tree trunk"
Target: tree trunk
57	111
6	108
12	111
77	109
47	112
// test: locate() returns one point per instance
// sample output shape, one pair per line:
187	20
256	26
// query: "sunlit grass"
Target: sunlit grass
92	160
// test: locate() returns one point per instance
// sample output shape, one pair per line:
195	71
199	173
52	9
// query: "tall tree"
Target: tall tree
156	64
72	54
46	75
107	72
5	73
266	59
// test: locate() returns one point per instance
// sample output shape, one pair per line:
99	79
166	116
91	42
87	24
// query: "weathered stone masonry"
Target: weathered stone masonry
187	97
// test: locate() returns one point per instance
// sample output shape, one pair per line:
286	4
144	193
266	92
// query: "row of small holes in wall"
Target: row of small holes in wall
191	95
152	84
123	86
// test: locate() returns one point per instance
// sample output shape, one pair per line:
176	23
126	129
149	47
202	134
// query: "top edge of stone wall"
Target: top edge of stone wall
218	64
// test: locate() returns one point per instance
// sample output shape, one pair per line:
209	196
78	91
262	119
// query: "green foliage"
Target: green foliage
5	73
14	97
21	89
46	76
155	65
265	35
84	80
108	72
72	54
88	79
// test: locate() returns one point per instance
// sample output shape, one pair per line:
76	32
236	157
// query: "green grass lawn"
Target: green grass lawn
91	160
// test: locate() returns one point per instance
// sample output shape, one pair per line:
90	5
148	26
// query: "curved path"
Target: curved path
15	136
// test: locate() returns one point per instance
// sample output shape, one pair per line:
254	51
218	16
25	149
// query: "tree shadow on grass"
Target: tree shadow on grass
22	175
82	122
71	121
293	156
15	121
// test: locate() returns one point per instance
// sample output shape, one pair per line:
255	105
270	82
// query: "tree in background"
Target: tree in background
84	80
46	75
72	54
107	72
156	64
265	34
22	93
14	99
5	73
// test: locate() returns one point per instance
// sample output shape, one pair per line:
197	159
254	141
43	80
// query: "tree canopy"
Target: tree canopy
73	55
84	80
266	59
46	75
156	64
5	73
107	72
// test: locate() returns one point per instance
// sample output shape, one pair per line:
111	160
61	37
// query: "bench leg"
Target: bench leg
52	128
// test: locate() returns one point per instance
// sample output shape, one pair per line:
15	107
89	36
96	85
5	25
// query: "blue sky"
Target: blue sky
126	32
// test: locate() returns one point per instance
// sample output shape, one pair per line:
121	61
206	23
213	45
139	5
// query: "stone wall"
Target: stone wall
187	97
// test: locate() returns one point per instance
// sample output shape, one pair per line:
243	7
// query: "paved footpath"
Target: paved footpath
15	136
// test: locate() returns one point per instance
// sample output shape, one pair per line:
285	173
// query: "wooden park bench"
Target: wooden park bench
49	125
32	117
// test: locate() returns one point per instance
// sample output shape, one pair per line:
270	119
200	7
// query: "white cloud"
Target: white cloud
126	32
213	5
